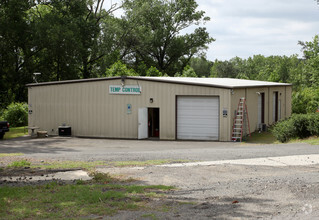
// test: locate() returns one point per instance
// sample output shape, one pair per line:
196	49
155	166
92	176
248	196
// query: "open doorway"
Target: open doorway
153	123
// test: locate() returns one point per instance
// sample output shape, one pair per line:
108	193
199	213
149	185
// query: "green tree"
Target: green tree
17	50
188	72
119	69
201	66
310	48
311	54
111	44
71	35
155	35
152	71
56	32
223	69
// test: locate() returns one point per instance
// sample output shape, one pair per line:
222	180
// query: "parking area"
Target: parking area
88	149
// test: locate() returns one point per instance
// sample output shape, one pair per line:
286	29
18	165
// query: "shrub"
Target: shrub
101	177
301	125
283	130
16	114
313	125
297	126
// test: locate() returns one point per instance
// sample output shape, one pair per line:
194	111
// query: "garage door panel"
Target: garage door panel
198	118
205	124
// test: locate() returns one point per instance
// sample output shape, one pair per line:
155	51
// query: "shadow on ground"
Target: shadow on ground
214	208
28	145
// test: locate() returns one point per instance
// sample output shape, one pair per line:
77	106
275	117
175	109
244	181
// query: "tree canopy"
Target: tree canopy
156	38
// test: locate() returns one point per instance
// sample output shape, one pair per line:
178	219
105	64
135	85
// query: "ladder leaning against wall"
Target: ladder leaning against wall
241	121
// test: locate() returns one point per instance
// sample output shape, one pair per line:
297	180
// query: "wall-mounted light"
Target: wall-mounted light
258	93
232	91
151	100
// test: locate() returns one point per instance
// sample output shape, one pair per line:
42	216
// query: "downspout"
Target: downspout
285	102
269	106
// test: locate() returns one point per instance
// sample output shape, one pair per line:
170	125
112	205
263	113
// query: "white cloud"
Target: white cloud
268	27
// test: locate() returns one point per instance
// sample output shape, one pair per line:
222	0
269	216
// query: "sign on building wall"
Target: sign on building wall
125	90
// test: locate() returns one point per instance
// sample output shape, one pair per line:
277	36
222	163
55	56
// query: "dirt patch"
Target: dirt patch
7	160
27	171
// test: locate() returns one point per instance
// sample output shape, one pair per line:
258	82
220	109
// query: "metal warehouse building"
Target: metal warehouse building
155	107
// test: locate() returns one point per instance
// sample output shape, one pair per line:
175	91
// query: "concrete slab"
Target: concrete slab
297	160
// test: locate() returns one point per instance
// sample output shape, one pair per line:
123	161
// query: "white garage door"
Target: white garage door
197	118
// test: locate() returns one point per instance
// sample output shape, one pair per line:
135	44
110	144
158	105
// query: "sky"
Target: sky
252	27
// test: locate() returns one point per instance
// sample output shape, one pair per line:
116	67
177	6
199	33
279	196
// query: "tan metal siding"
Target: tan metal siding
252	105
288	101
251	95
92	111
284	102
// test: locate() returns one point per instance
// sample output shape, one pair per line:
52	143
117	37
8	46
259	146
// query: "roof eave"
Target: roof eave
153	80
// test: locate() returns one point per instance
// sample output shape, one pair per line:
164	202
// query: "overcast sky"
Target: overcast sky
251	27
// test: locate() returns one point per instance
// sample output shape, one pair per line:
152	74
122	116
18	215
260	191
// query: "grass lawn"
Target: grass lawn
16	132
268	138
102	196
261	138
311	140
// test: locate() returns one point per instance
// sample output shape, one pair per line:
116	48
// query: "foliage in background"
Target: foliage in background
1	114
188	71
306	100
297	126
119	69
16	114
201	66
152	71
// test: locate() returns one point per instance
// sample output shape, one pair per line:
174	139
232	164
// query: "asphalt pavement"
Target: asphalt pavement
89	149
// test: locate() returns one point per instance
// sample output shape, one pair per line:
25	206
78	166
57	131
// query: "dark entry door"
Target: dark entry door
153	123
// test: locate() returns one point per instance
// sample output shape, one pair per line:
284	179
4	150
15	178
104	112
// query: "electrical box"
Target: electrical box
65	131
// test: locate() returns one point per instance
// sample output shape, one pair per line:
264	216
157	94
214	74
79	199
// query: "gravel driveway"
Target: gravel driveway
233	191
